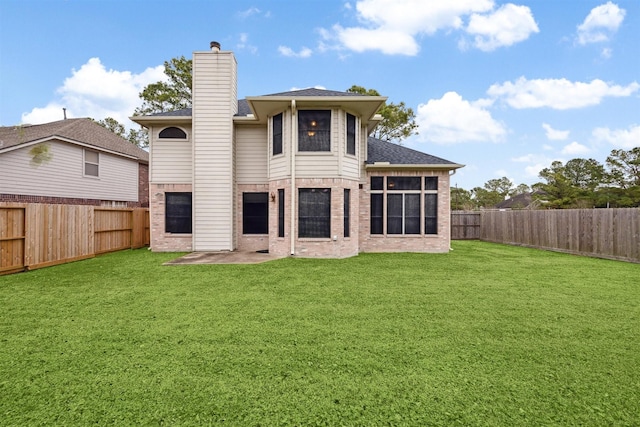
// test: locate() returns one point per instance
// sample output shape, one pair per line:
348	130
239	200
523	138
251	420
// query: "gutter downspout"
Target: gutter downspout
450	175
294	131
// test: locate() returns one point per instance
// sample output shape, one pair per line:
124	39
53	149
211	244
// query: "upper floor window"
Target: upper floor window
314	130
277	134
351	134
172	132
91	163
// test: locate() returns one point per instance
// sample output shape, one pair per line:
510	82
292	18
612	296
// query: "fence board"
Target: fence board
465	225
604	233
36	235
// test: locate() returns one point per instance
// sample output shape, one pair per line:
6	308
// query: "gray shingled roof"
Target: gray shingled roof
243	110
383	151
83	130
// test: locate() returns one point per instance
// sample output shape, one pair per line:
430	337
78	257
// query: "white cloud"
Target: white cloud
305	52
622	138
559	94
555	135
244	43
602	22
249	12
452	120
93	91
391	26
536	163
506	26
575	148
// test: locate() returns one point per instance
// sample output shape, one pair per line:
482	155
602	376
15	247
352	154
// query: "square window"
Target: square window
377	182
430	182
314	130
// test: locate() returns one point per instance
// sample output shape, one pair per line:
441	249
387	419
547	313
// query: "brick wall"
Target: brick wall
407	243
161	241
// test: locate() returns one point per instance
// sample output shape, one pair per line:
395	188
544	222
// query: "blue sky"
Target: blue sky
502	87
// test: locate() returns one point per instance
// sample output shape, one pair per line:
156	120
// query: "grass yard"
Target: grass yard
485	335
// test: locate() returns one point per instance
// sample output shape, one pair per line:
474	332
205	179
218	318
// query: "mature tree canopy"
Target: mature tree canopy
172	94
398	121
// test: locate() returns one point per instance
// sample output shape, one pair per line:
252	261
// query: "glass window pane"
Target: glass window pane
412	213
255	213
394	214
90	156
280	212
431	214
172	132
376	214
90	169
314	212
178	212
277	134
314	130
351	134
430	182
377	182
403	183
347	210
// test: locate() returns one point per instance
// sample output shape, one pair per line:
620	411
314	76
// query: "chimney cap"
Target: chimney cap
215	46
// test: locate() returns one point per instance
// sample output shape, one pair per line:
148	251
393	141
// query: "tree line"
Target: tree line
578	183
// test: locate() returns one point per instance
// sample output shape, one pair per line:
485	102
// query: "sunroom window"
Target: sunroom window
314	130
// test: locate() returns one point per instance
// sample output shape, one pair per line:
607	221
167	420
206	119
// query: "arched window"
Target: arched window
172	132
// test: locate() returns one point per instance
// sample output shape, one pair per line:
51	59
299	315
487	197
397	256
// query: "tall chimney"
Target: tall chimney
215	46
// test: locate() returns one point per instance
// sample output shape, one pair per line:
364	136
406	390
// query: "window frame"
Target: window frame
172	132
252	223
86	163
313	214
307	130
350	134
393	204
170	214
276	135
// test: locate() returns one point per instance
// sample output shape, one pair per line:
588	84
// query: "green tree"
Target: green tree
172	94
558	190
624	167
461	199
398	121
136	137
503	186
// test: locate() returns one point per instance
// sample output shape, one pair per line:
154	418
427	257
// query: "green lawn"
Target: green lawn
485	335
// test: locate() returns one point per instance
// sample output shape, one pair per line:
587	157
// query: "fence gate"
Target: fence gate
12	239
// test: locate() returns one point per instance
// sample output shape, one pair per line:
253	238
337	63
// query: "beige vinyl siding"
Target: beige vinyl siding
350	164
252	152
215	103
63	175
171	159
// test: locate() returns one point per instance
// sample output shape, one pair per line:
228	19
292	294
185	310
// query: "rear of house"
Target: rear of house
294	173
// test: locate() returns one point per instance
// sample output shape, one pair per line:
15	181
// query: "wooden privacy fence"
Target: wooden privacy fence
465	225
40	235
604	233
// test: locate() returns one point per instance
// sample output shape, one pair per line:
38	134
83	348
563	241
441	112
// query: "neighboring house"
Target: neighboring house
519	201
294	173
72	161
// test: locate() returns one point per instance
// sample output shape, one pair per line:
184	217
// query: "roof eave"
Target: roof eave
152	120
387	166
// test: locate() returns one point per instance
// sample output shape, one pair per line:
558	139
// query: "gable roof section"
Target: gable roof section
384	154
81	131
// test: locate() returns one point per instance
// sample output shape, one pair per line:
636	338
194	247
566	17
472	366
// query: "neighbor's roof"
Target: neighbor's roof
83	131
383	153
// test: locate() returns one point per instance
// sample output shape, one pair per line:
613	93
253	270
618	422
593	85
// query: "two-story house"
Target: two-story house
294	173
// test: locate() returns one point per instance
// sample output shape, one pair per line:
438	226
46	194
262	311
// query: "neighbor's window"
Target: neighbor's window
351	134
172	132
404	197
255	213
177	218
91	163
314	130
314	212
277	134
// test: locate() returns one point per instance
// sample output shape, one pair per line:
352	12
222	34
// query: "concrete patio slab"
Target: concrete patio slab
235	257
